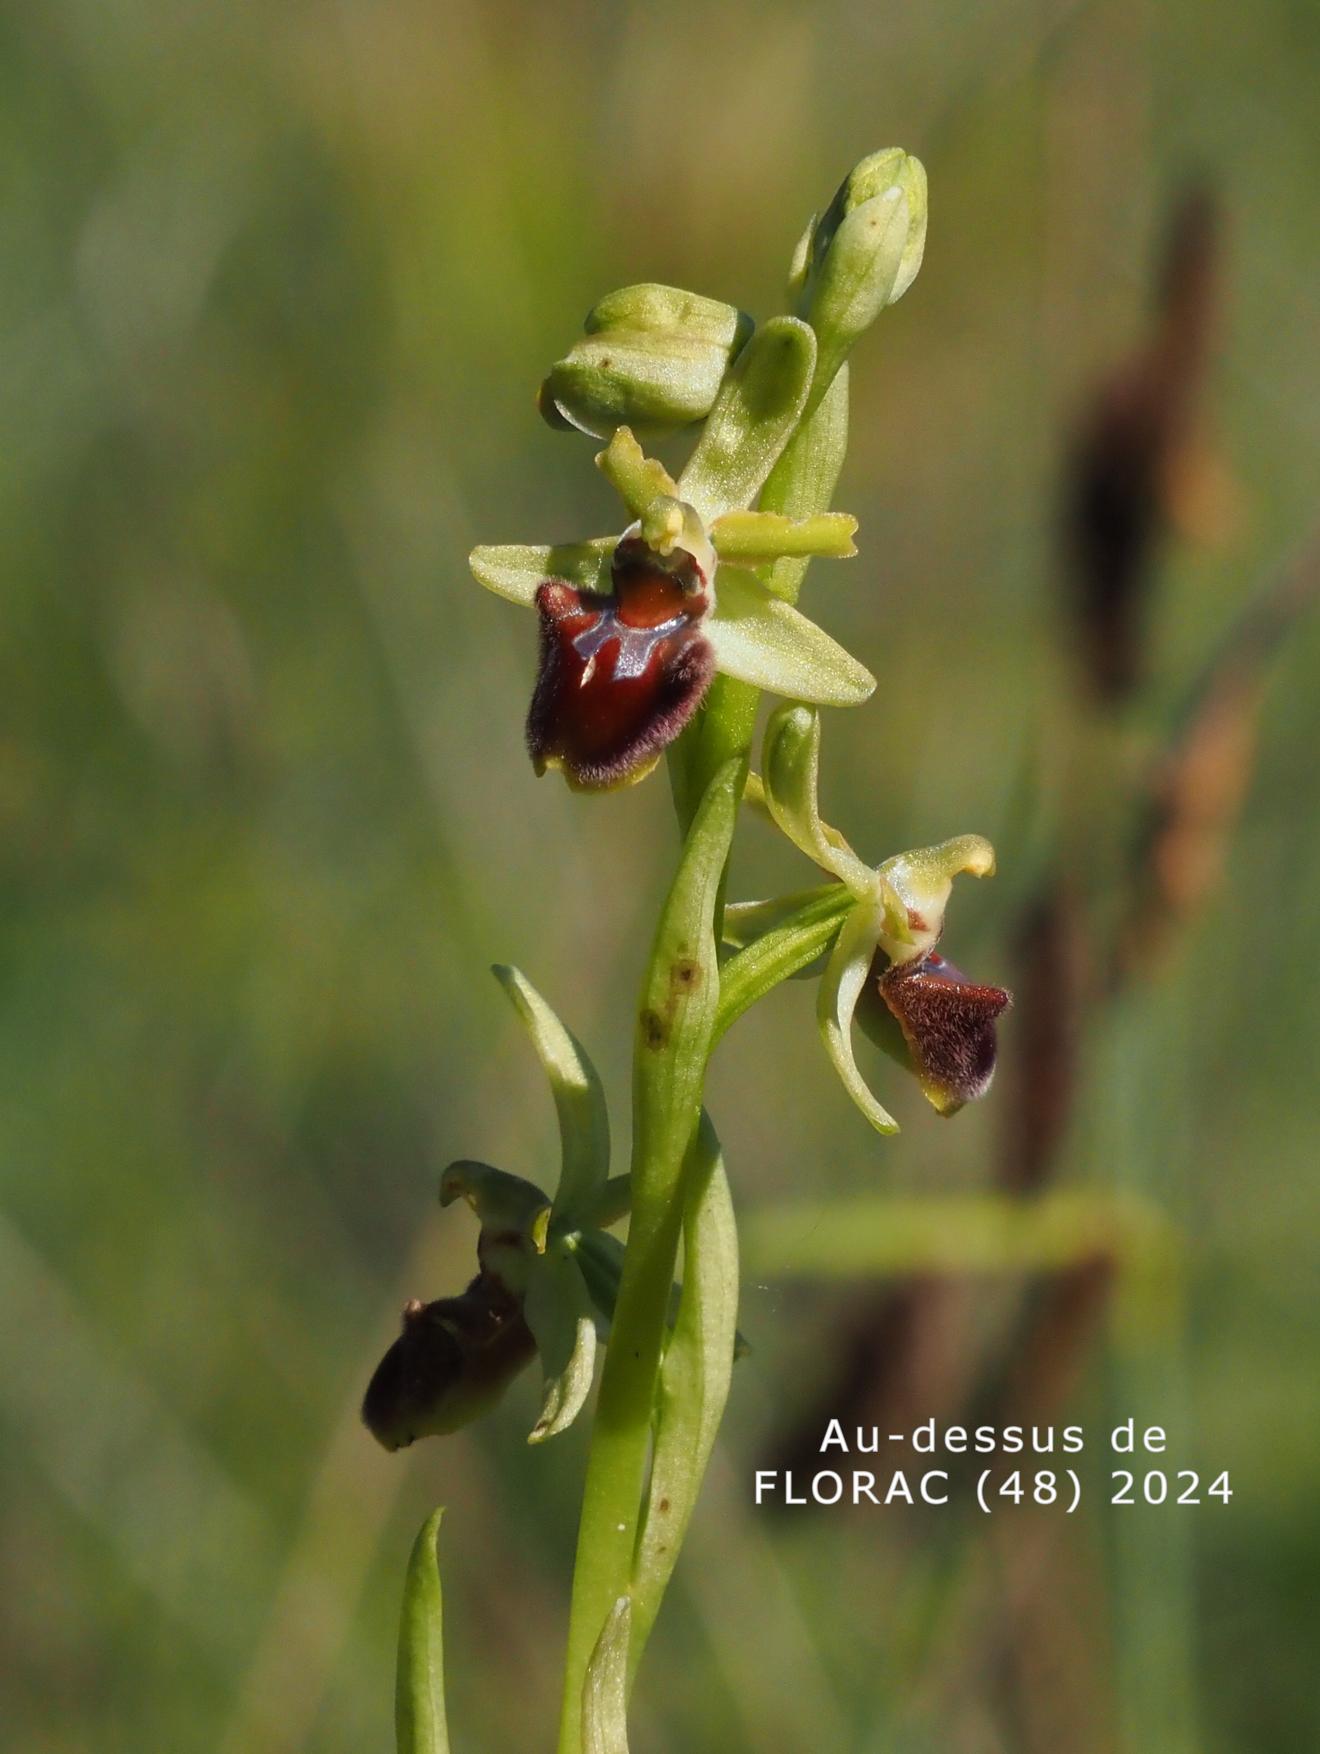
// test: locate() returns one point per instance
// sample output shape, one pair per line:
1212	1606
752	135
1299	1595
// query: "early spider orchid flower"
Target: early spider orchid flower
547	1270
634	627
884	971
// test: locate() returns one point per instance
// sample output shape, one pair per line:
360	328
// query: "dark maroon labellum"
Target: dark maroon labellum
948	1024
620	675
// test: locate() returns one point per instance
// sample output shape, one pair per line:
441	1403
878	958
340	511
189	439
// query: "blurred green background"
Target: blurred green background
277	288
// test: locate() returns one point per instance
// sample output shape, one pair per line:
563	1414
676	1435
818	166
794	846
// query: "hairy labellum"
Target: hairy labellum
948	1024
452	1361
620	674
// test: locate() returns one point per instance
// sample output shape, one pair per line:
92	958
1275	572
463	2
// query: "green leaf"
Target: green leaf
780	952
584	1122
803	481
605	1687
790	775
635	477
515	570
419	1691
758	638
558	1311
694	1379
840	988
753	418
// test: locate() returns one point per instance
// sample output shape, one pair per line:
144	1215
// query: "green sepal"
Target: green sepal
557	1309
784	949
515	569
840	988
419	1687
758	638
694	1379
790	775
753	418
605	1686
584	1122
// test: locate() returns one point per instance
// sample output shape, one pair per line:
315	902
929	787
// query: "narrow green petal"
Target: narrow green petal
755	538
584	1122
419	1688
790	774
514	570
605	1689
753	418
840	988
759	638
635	477
558	1311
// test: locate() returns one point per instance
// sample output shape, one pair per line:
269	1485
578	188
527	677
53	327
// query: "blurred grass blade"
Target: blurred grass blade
558	1311
694	1380
752	420
776	955
605	1690
584	1122
419	1692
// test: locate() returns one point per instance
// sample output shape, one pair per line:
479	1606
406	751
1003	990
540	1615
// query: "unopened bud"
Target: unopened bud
653	358
862	254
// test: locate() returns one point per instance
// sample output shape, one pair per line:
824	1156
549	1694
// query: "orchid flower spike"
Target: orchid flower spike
634	627
884	970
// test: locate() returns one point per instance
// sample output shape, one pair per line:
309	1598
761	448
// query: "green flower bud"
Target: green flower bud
653	358
862	254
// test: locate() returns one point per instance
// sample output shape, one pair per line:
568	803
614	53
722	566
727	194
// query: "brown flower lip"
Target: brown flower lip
620	673
452	1360
948	1024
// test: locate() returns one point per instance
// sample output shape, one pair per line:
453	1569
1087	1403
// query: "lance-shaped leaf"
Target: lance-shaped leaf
419	1689
790	772
584	1122
694	1380
778	942
558	1311
753	418
605	1686
840	988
